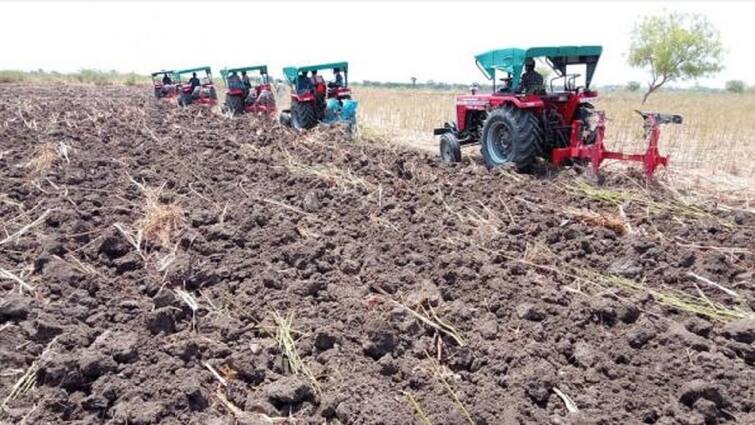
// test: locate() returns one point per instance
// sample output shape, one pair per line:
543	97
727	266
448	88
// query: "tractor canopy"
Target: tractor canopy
207	70
511	60
292	72
170	72
226	72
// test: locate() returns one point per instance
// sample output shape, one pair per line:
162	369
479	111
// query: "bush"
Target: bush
93	76
633	86
735	86
12	77
131	79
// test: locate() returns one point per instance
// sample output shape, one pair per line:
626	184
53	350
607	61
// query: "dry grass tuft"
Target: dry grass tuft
484	221
331	175
672	204
25	383
161	222
284	337
600	219
590	281
42	159
428	316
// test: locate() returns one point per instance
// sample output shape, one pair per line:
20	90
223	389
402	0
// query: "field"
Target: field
174	266
718	135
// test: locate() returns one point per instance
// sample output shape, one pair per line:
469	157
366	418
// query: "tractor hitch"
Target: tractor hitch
595	150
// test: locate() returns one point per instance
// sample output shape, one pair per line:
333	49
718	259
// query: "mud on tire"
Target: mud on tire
511	135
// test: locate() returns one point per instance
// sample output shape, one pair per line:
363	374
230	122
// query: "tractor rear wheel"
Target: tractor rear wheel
511	135
184	99
303	116
450	150
234	104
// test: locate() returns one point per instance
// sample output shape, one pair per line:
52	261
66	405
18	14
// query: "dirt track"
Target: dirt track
522	285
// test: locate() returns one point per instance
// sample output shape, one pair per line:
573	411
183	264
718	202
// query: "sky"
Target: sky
383	41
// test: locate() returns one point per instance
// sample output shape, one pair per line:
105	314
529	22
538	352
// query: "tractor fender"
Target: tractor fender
303	97
527	102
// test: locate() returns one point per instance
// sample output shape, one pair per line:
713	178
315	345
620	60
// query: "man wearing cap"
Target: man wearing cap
531	81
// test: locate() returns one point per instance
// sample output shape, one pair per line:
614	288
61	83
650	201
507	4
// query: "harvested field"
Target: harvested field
172	266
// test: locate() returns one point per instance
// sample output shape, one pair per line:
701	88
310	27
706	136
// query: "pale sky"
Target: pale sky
385	41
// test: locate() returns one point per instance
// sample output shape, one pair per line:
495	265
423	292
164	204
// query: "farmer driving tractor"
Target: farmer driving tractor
532	81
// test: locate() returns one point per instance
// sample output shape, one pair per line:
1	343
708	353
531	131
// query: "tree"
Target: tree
735	86
414	81
675	47
633	86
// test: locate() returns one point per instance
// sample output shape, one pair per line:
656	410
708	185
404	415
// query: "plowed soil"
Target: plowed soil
174	266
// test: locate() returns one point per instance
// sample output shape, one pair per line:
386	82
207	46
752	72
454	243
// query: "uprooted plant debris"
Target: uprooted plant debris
175	266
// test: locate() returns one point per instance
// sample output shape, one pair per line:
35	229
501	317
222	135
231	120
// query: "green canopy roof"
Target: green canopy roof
511	60
225	72
206	69
167	71
261	68
292	72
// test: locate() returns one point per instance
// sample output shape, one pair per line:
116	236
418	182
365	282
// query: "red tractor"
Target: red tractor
314	101
163	83
198	90
522	120
248	95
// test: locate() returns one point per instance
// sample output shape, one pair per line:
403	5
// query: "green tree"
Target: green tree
675	47
735	86
633	86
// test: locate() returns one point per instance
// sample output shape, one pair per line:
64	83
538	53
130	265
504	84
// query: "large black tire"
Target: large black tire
234	104
184	99
285	118
303	116
450	150
511	136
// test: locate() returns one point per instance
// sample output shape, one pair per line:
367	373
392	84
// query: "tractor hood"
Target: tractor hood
511	60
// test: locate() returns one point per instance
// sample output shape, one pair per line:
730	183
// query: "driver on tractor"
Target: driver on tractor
338	78
532	81
303	84
166	79
234	82
195	84
320	90
245	80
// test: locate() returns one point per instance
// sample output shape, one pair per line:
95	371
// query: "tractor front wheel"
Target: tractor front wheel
450	150
285	118
511	136
303	116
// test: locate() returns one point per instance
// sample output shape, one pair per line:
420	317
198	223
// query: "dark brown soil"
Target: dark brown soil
344	238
